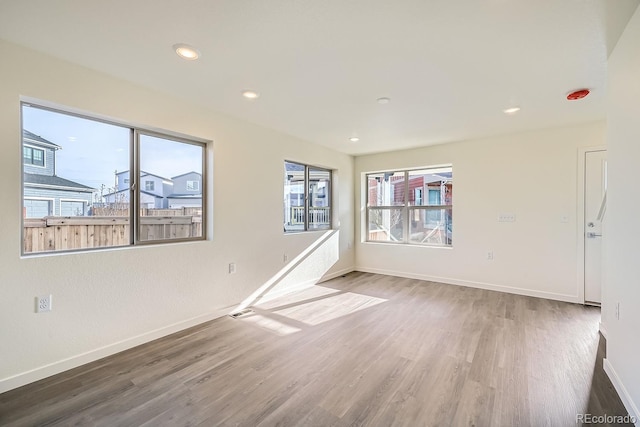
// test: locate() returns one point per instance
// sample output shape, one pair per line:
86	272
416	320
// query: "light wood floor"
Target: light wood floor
364	349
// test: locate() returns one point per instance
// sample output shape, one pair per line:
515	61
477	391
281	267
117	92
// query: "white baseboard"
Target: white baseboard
336	274
603	330
470	284
45	371
628	402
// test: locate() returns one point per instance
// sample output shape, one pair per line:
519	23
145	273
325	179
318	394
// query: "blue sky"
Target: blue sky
92	151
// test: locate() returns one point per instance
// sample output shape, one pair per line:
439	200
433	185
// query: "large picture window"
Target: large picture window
307	197
411	206
91	184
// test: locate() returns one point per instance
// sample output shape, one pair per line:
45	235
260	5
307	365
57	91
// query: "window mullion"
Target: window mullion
134	187
406	208
307	202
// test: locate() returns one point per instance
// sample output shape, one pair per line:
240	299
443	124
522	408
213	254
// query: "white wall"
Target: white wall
622	243
532	175
106	301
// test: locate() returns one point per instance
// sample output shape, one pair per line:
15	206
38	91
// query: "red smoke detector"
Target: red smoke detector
578	94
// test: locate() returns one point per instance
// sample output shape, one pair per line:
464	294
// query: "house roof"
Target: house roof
38	140
184	174
36	180
439	177
145	173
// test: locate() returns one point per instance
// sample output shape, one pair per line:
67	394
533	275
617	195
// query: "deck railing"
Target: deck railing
317	215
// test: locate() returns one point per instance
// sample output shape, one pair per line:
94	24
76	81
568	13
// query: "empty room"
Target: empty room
318	213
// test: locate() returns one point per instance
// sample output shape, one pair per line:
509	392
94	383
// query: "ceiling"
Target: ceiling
450	68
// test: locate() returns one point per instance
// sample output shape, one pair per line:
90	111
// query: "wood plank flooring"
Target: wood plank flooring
361	350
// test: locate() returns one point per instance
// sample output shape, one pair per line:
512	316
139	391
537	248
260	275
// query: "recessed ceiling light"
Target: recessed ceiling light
511	110
250	94
383	100
354	139
186	52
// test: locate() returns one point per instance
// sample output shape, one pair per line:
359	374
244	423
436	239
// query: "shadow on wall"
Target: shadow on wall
305	270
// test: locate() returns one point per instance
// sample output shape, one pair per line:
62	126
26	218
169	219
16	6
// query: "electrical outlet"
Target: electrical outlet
43	303
618	311
285	258
232	268
490	255
507	217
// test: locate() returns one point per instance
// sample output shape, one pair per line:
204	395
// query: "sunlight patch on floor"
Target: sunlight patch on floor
329	308
270	324
300	297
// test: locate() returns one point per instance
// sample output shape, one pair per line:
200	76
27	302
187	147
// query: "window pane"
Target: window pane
385	189
428	196
294	206
38	157
168	209
27	155
430	187
319	199
386	225
430	226
85	154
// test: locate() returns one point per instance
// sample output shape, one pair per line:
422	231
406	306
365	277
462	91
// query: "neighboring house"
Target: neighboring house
45	193
436	188
187	191
152	190
159	192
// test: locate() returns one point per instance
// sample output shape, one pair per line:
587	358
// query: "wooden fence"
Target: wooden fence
69	233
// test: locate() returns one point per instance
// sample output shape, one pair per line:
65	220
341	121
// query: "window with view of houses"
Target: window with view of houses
307	197
411	206
77	182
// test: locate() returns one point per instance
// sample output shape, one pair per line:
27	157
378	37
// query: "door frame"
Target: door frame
582	158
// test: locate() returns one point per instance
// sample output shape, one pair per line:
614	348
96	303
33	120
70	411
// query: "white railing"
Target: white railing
317	215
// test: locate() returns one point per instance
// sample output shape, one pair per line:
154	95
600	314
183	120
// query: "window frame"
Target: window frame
135	131
407	210
307	201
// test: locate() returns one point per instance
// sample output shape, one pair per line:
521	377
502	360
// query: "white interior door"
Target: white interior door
595	191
